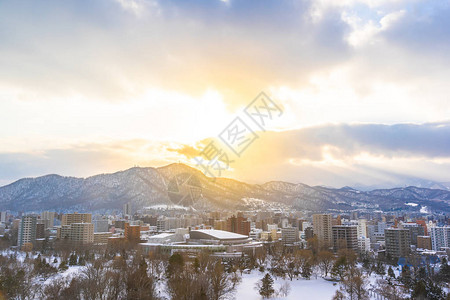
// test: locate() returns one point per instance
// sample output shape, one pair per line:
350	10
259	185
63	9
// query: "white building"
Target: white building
284	223
3	216
362	228
255	234
127	210
440	237
271	227
363	244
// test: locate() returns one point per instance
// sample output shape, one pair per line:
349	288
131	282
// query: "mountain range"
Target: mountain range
144	187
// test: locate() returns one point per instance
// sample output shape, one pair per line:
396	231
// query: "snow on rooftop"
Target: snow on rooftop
161	235
221	234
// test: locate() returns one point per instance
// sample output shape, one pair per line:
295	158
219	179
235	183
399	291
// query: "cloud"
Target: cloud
103	52
333	155
84	160
344	154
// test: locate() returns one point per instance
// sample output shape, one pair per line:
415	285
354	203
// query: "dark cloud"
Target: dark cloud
430	140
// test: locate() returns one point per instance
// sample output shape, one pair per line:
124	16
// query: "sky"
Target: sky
89	87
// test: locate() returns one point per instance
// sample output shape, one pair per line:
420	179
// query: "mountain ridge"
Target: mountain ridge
147	186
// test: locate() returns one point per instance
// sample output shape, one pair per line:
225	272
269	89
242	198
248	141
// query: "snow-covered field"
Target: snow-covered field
316	289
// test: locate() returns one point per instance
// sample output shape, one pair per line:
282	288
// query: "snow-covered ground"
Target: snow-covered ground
316	289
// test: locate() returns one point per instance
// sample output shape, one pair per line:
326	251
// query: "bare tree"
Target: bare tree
221	283
326	261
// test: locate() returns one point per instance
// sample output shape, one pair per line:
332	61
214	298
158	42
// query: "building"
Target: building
178	236
440	237
101	225
76	232
63	232
127	210
27	230
309	233
69	219
101	238
322	224
363	244
414	231
16	223
289	235
424	225
300	224
255	234
424	242
345	237
132	233
220	224
271	227
239	225
40	230
362	228
213	236
397	242
48	219
82	233
3	216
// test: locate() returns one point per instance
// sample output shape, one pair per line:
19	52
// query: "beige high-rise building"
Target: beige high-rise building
322	224
69	219
82	233
76	232
102	237
63	232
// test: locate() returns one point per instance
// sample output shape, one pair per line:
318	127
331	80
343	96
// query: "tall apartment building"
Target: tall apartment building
132	232
398	242
322	227
27	230
220	224
77	232
440	237
362	228
69	219
48	219
127	211
289	235
415	230
3	217
238	225
82	233
40	230
363	244
345	237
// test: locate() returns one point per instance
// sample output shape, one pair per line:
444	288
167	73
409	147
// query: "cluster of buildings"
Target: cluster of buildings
391	235
394	238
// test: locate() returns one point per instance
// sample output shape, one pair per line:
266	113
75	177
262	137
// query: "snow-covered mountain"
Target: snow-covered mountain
149	186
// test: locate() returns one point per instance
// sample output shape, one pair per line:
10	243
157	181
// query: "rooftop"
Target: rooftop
221	234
